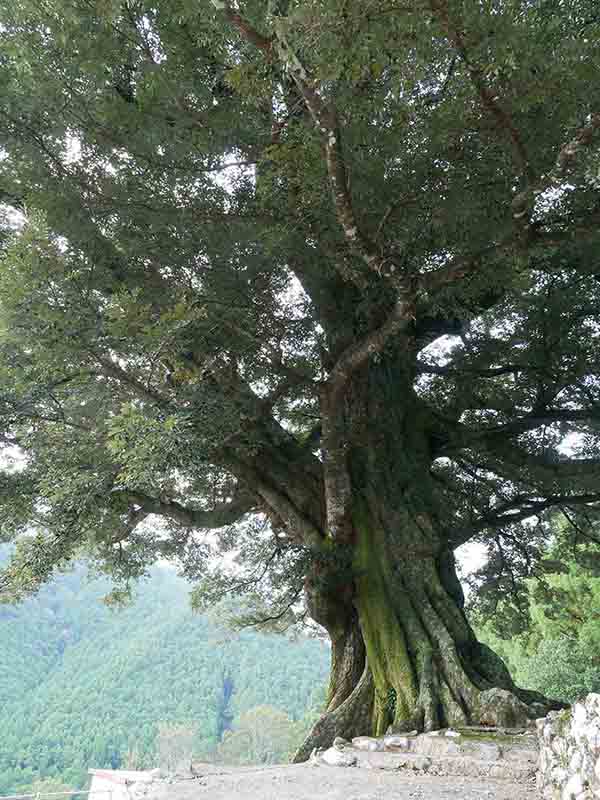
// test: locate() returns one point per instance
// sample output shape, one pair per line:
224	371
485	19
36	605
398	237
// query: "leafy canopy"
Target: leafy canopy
220	210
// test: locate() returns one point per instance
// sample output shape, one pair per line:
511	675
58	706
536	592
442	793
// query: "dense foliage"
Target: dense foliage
85	686
553	645
241	230
263	735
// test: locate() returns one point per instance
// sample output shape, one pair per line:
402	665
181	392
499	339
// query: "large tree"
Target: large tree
332	265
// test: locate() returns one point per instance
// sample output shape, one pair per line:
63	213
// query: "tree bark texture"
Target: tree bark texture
404	656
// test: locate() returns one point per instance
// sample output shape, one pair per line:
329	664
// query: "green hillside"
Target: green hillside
85	686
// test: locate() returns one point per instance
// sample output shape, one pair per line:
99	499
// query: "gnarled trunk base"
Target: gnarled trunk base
351	718
424	668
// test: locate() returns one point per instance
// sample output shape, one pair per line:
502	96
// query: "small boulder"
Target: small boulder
501	708
337	758
369	743
420	763
396	743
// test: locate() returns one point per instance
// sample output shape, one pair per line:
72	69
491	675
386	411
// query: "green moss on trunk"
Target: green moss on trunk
428	669
385	641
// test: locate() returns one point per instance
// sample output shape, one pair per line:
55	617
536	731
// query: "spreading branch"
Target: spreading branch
357	354
462	266
518	509
111	369
324	116
247	31
218	516
544	467
493	434
488	97
522	205
424	368
538	473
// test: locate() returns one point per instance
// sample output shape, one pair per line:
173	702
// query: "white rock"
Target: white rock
396	742
576	761
579	717
559	746
368	743
450	732
593	733
548	732
338	758
499	771
558	775
569	760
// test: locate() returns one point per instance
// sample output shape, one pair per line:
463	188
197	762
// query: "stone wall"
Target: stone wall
569	740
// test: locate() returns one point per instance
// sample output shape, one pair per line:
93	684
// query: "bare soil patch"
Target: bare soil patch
305	782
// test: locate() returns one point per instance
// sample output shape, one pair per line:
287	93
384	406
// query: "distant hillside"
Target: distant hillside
82	686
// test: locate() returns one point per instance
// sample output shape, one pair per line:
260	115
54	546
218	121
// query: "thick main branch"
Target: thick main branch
218	516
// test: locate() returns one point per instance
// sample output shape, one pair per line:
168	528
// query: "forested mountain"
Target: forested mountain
83	686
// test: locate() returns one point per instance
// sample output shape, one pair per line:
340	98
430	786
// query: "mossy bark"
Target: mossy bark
428	668
404	656
350	696
403	653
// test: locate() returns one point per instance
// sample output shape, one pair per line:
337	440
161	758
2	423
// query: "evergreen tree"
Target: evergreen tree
242	229
553	645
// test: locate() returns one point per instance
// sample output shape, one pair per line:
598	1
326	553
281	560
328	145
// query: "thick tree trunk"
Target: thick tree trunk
350	697
429	670
424	668
403	653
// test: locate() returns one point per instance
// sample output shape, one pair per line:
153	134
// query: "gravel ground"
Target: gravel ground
306	782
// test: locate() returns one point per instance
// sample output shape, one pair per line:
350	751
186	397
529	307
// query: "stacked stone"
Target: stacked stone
569	766
444	752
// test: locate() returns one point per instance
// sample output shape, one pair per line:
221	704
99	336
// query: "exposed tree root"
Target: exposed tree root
351	718
424	668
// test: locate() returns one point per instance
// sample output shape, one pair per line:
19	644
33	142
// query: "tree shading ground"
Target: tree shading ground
245	227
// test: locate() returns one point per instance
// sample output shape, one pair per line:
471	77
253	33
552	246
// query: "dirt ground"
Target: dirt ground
305	782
